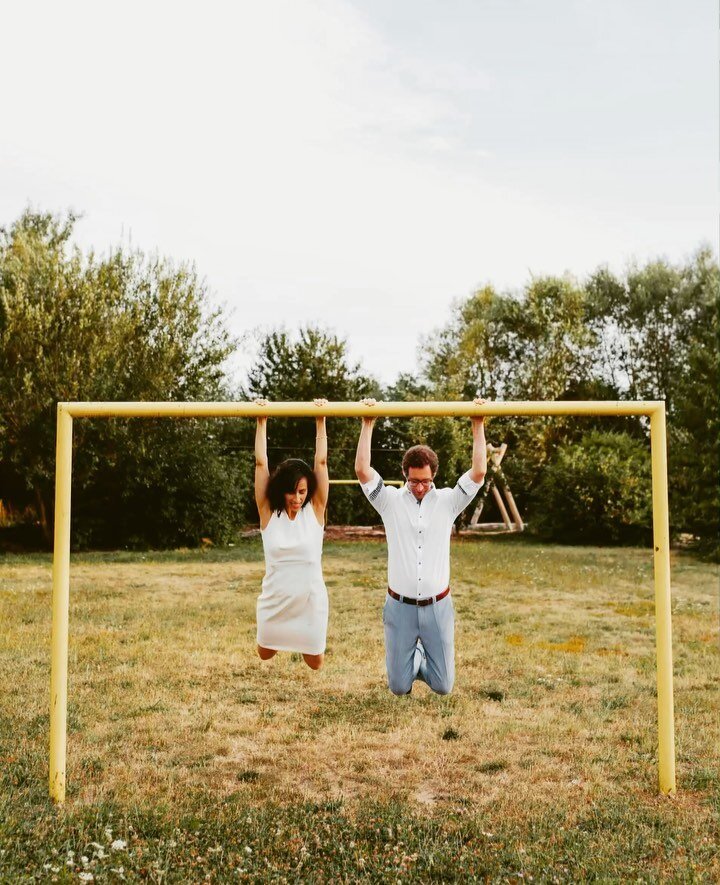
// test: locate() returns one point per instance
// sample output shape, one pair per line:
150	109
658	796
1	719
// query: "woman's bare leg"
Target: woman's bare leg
314	661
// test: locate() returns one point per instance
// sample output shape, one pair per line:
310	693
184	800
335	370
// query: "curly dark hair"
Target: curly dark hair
419	456
284	480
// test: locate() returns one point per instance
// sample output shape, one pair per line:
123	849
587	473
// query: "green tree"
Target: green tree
531	345
124	327
647	320
596	491
660	332
694	434
312	363
695	440
470	354
650	334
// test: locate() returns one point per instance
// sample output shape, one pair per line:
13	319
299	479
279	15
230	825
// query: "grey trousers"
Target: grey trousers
433	659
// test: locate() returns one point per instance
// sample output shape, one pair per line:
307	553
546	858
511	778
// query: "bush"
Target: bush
121	327
160	483
596	491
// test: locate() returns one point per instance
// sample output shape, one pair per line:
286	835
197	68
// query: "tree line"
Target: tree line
126	326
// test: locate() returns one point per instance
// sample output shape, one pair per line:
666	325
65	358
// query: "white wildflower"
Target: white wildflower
86	877
84	860
108	833
248	849
119	845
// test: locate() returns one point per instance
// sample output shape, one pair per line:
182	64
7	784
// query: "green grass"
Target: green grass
211	765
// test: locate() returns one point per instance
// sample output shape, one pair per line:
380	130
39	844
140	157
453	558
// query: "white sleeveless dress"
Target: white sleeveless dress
292	610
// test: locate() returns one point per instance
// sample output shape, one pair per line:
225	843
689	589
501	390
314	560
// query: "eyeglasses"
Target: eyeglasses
426	483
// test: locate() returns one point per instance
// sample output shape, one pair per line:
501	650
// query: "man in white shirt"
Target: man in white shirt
419	615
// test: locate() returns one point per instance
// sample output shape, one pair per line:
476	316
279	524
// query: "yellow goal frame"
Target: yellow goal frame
66	411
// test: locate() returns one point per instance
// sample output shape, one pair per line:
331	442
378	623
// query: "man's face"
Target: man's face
420	479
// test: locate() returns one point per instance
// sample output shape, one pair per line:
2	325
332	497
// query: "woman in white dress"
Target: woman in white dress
292	610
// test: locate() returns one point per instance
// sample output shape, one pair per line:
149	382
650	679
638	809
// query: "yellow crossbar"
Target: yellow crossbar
354	410
354	482
655	410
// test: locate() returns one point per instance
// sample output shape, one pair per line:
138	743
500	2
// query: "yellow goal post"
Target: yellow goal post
67	411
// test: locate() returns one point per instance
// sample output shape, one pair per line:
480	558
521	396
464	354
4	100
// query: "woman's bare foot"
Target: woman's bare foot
314	661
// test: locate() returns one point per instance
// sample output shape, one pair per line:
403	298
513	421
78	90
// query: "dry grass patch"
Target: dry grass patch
554	707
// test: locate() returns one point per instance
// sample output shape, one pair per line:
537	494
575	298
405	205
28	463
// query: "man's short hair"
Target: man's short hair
420	456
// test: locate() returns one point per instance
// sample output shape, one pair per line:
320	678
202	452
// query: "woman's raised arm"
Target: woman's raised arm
320	467
262	471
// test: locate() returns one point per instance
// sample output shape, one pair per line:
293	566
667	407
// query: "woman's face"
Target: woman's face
295	500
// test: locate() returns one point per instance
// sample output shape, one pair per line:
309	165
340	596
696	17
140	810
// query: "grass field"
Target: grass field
191	760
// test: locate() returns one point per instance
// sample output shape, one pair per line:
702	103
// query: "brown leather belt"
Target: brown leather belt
428	601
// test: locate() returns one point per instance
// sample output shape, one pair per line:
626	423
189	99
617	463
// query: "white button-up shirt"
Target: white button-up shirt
418	532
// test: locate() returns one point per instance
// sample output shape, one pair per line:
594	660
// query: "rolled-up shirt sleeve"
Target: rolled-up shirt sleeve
463	492
376	492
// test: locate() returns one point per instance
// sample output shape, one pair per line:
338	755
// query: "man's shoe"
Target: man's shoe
420	663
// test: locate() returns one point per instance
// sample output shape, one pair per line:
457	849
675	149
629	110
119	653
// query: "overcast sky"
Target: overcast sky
363	163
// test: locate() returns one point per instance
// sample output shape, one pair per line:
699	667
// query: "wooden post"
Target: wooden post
502	508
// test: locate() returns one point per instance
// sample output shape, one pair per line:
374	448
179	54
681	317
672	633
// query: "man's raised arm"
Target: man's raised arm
363	470
479	453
